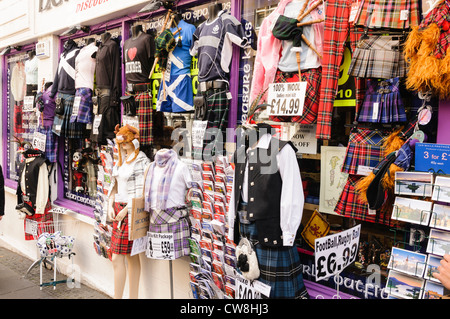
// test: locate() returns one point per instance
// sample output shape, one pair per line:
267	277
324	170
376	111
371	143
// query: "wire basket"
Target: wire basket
55	237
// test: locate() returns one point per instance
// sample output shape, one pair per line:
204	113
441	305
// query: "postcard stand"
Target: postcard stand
422	194
414	243
396	212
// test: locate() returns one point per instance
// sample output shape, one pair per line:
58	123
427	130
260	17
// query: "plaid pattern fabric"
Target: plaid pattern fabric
145	113
85	114
382	103
217	116
312	96
280	268
43	221
120	244
18	117
61	123
51	143
164	43
337	30
387	13
378	57
365	147
349	204
286	29
160	222
439	15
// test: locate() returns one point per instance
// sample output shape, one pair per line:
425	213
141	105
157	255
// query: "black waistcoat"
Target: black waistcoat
31	180
264	192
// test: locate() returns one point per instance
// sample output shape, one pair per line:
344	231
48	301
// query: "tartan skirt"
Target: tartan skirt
365	148
382	102
61	123
51	143
280	268
85	114
349	204
120	244
378	57
311	106
44	222
386	14
173	220
144	111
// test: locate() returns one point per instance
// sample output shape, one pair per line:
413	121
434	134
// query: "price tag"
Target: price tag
335	252
246	289
28	104
131	120
429	156
39	141
198	132
305	139
286	99
97	120
76	106
160	246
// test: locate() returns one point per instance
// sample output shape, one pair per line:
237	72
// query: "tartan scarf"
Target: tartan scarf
169	160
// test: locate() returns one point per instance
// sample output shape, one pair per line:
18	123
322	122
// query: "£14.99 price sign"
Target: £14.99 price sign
335	252
286	99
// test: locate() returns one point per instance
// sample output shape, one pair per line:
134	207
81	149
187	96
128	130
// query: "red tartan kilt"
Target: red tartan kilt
43	221
120	244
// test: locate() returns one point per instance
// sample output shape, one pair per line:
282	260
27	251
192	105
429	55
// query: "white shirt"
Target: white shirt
85	67
181	181
292	198
31	70
122	174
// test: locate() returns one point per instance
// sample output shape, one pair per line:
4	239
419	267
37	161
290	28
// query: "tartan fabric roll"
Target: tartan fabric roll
174	221
145	114
388	14
378	57
365	148
51	143
349	204
120	244
312	96
382	103
280	268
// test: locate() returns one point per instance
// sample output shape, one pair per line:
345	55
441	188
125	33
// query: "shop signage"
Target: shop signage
335	252
160	246
305	139
286	99
45	5
432	157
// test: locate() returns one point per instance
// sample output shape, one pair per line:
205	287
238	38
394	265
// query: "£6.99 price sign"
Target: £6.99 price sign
335	252
286	99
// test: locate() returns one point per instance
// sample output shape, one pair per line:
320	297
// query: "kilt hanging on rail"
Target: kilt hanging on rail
51	143
61	123
313	78
382	103
280	267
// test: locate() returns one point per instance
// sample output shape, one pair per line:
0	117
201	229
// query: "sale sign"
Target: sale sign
335	252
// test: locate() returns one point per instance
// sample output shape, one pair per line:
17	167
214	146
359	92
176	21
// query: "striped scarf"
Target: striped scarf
167	159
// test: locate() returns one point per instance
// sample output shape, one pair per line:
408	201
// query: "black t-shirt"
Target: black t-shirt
138	56
108	67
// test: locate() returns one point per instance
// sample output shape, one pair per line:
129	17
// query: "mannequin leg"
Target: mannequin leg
119	268
134	272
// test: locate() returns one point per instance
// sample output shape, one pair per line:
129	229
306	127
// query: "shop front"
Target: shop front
155	112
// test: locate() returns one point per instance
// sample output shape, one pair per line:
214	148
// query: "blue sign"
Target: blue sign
432	157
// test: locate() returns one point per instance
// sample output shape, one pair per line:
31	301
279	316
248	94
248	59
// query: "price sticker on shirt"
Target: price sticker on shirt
160	246
286	99
335	252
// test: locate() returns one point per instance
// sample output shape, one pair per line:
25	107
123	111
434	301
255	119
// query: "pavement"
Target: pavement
16	283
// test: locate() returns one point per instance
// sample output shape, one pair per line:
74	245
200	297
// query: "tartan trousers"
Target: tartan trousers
337	29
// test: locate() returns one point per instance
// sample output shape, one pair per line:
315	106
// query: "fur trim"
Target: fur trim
361	187
393	142
388	180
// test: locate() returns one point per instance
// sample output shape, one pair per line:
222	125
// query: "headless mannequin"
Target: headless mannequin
213	11
124	265
105	37
136	31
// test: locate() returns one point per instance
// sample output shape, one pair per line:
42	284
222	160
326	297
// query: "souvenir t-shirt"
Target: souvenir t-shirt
213	43
85	67
108	67
138	56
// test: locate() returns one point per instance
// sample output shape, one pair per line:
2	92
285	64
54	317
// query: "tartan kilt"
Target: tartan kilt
43	221
51	143
174	221
85	114
120	244
144	110
18	117
390	105
280	267
365	148
312	96
61	123
349	204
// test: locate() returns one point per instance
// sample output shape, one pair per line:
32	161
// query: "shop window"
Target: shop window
22	119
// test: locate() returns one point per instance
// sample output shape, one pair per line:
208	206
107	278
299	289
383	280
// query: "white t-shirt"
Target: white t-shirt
122	174
85	67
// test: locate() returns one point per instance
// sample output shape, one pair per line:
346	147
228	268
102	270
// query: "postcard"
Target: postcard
414	183
438	242
440	217
433	263
412	210
407	261
432	290
404	286
441	190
